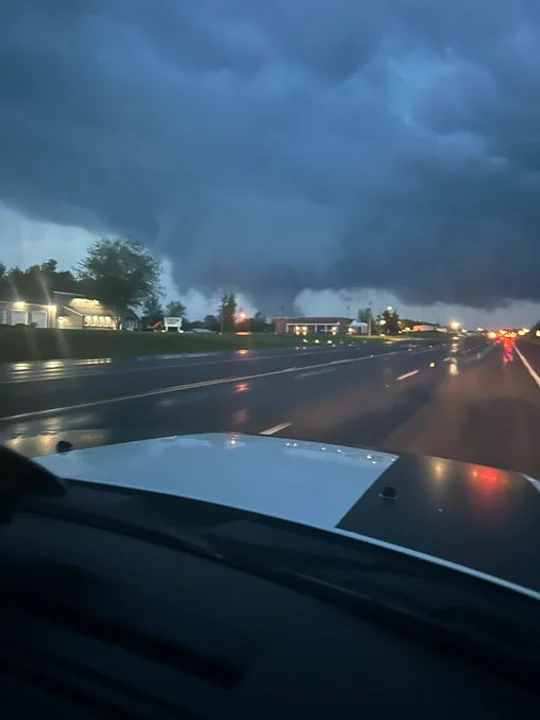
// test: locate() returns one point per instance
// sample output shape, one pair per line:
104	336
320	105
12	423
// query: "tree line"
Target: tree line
126	278
120	272
388	321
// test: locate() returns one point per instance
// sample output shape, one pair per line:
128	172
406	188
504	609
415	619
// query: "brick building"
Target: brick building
306	325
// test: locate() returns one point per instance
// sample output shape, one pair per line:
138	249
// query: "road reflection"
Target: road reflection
508	343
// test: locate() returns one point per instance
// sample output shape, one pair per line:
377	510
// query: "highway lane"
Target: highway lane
474	409
454	400
35	387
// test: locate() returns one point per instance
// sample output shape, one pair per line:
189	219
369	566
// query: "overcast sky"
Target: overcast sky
323	152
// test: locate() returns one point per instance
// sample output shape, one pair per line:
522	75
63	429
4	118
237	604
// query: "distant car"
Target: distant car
225	576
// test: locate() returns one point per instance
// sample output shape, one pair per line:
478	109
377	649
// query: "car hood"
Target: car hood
477	517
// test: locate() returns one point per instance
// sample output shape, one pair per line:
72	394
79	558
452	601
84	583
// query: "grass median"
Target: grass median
28	344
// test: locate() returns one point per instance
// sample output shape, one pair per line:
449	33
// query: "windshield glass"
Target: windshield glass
314	222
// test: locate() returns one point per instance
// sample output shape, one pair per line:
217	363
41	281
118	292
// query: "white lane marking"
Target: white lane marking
407	375
527	365
189	386
275	429
311	373
535	483
99	371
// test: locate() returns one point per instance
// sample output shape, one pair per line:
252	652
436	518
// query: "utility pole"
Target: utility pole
370	314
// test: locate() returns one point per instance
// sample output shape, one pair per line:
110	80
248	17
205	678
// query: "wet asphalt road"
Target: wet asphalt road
451	399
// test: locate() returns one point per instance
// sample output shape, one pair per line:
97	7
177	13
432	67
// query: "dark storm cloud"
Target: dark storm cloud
272	147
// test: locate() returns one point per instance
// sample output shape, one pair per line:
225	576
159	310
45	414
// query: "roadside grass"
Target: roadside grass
27	344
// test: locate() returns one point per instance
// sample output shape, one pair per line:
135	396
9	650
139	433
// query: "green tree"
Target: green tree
211	322
391	321
365	315
37	283
152	310
176	309
4	282
227	312
121	273
258	323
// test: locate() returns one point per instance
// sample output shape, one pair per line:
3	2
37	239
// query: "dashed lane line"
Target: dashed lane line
276	429
407	375
192	386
